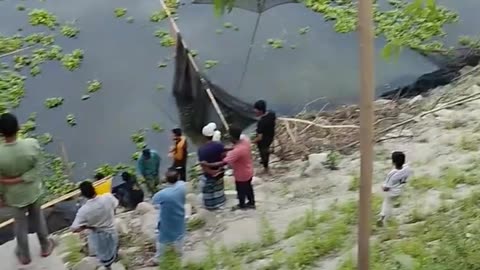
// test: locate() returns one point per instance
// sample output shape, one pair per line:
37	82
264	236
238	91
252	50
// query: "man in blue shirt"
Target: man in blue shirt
148	166
171	224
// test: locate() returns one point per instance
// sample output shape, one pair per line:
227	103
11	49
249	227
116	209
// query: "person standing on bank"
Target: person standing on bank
211	181
148	166
393	185
265	132
240	159
179	153
171	223
21	187
98	216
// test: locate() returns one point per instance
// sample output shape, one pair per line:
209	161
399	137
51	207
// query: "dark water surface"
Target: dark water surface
124	57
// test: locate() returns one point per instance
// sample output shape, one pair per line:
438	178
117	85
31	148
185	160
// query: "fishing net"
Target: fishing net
449	70
194	104
257	6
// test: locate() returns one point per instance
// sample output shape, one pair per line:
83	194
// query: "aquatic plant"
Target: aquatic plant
157	127
228	25
108	169
45	138
167	41
120	12
71	120
38	17
158	16
69	31
130	19
73	60
160	87
161	33
210	64
162	65
94	86
138	138
275	43
54	102
304	30
21	7
193	53
219	31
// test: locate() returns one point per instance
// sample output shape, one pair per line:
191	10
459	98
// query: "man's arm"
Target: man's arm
80	222
214	164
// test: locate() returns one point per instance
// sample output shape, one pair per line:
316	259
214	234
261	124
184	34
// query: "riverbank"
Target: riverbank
307	212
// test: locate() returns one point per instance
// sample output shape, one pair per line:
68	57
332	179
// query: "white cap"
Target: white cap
217	136
209	129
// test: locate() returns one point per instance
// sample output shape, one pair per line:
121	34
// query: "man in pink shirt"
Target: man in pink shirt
239	158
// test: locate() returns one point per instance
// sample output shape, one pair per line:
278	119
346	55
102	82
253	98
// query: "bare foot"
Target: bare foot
49	251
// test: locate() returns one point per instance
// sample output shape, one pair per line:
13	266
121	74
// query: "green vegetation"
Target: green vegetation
21	7
195	224
45	138
108	169
304	30
354	184
73	60
210	64
54	102
228	25
275	43
69	31
130	19
167	41
138	138
94	86
445	240
158	16
71	120
333	160
469	143
157	127
120	12
162	65
160	87
38	17
219	31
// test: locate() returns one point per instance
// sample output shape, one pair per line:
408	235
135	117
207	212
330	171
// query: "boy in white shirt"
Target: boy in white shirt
393	185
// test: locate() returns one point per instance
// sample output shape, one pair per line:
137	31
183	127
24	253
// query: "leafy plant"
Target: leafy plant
21	7
130	19
54	102
333	160
157	127
195	224
275	43
69	31
45	138
120	12
228	25
210	64
162	65
38	17
71	120
304	30
354	184
158	16
73	60
167	41
160	87
94	86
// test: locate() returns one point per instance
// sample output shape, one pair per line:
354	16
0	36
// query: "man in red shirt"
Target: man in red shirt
239	158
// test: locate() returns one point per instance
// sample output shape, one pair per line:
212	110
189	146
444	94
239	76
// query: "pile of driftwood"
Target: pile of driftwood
328	130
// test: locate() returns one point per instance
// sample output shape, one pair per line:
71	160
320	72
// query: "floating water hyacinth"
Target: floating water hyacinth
120	12
71	120
54	102
69	31
94	86
210	64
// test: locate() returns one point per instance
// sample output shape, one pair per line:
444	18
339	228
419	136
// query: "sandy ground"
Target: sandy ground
9	261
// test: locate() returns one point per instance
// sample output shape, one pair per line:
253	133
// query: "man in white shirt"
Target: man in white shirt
98	216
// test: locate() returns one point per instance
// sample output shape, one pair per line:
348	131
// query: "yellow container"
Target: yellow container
103	186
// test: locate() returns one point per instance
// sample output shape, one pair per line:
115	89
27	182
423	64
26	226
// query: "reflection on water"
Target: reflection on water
125	56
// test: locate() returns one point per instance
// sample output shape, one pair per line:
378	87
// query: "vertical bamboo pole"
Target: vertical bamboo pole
365	24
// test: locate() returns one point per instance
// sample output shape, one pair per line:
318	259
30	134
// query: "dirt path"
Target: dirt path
9	261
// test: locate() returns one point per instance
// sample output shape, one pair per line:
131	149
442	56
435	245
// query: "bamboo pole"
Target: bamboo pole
366	50
176	30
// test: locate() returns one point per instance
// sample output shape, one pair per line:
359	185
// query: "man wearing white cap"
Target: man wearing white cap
212	179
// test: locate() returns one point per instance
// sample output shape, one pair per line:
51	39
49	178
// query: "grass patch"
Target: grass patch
423	183
195	224
446	240
456	123
354	184
469	143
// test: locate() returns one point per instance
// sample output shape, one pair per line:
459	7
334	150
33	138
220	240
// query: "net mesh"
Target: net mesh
258	6
194	105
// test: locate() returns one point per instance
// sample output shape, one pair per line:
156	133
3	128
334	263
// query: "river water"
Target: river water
125	57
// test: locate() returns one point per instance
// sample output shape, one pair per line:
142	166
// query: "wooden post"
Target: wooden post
365	25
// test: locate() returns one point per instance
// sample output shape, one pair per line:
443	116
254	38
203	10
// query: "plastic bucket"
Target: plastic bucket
103	186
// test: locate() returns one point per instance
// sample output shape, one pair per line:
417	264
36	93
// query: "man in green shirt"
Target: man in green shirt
21	187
